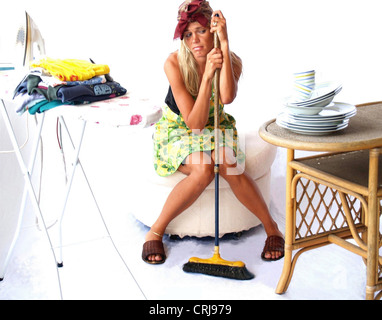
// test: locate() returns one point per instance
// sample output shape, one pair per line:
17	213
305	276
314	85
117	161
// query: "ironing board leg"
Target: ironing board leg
70	181
85	176
27	177
78	162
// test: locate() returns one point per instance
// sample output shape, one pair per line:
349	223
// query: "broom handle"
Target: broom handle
217	121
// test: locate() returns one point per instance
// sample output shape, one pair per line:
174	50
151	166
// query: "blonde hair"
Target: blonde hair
187	63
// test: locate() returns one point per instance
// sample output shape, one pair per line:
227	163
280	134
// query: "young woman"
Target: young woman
184	141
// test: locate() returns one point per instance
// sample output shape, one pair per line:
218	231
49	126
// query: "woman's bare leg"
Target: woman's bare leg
248	194
199	171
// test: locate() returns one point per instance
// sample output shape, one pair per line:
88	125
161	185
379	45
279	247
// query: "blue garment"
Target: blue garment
94	80
90	93
46	105
31	85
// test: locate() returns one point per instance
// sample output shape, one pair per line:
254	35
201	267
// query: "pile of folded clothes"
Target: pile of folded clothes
54	82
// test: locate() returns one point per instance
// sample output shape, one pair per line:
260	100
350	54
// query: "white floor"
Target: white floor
95	269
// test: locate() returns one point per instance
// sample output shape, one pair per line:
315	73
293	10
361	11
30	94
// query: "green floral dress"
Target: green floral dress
174	141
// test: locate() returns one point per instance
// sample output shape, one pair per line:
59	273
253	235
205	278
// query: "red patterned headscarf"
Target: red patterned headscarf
192	14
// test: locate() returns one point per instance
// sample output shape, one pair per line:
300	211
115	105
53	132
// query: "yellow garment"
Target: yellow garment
72	69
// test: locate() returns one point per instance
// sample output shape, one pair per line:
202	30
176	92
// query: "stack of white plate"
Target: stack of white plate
322	95
332	118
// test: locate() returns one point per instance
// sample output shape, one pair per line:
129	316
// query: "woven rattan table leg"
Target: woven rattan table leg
289	227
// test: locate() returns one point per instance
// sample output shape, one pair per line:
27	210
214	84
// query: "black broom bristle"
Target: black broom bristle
237	273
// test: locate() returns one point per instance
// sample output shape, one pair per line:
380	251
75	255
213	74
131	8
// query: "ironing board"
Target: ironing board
122	111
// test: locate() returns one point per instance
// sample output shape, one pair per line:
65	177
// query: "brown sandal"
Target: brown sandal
153	248
273	243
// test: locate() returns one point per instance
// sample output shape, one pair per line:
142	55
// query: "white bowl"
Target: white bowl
320	95
323	102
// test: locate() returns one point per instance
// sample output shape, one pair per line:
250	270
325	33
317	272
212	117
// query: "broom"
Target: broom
216	266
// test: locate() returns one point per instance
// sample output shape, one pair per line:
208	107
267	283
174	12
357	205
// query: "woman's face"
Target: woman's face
198	39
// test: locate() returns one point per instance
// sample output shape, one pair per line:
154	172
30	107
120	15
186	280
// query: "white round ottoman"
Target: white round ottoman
199	219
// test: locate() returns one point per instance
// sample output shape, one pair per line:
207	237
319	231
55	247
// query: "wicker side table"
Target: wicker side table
335	195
